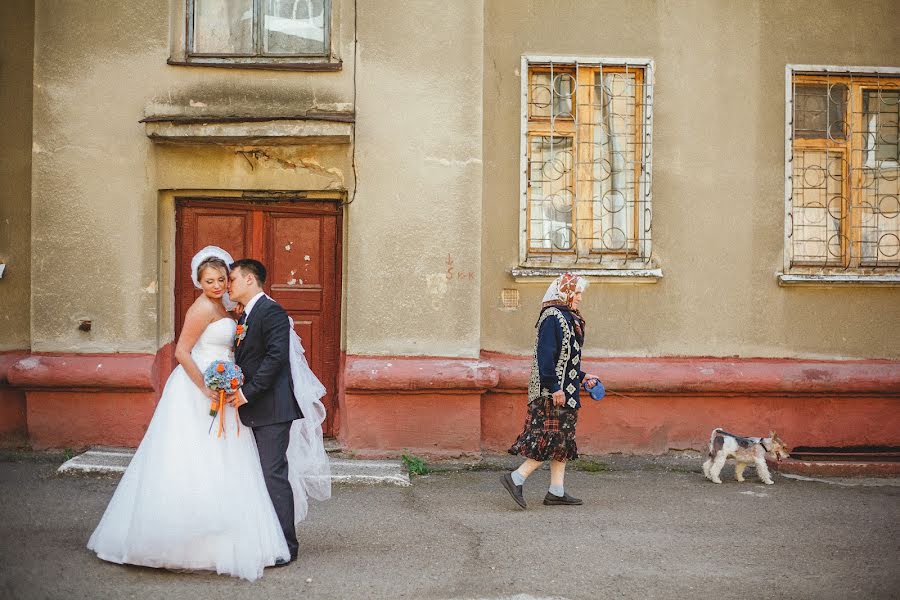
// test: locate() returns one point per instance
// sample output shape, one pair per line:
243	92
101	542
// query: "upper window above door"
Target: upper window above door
258	32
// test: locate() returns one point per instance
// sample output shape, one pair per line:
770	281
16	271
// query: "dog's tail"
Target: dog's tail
712	441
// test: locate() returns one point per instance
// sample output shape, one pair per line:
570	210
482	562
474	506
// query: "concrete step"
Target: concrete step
104	459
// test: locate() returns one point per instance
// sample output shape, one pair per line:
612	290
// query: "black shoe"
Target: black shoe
280	562
564	500
514	490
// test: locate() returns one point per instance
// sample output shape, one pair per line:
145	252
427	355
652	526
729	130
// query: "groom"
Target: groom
266	400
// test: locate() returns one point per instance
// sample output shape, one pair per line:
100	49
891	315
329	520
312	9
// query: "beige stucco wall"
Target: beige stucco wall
718	175
417	211
16	54
100	67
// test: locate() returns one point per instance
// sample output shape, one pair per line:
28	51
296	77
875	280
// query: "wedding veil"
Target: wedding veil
308	469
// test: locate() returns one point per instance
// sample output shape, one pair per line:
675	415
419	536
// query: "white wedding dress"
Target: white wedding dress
190	500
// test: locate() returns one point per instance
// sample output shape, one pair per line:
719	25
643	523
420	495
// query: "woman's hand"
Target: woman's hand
559	398
590	381
213	395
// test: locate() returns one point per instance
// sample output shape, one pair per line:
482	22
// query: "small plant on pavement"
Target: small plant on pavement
415	465
590	466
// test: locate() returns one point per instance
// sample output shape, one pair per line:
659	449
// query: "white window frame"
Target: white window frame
181	52
819	276
641	270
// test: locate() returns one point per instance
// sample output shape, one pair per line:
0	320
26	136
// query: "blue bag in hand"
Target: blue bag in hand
597	392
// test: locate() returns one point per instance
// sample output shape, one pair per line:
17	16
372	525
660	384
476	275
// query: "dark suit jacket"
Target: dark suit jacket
263	356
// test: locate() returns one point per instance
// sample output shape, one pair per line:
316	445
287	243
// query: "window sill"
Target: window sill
548	274
258	130
823	280
327	66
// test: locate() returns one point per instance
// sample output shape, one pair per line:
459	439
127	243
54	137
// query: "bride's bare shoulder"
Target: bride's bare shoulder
201	310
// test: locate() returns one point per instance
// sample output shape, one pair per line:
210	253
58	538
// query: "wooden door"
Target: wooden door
300	245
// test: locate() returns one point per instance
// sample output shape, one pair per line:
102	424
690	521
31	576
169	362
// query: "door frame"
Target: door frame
312	203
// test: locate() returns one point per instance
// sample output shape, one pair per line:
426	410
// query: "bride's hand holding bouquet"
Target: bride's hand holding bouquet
225	378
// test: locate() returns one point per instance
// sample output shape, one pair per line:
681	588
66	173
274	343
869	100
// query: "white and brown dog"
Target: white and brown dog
745	451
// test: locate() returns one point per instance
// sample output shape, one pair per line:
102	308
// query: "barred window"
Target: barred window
586	153
843	197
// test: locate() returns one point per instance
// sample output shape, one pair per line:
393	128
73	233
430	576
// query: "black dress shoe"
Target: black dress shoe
564	500
280	562
514	490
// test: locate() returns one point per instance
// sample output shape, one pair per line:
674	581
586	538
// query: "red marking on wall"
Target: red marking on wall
454	275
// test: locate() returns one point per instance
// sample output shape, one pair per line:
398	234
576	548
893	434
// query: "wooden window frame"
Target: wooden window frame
852	269
309	61
635	259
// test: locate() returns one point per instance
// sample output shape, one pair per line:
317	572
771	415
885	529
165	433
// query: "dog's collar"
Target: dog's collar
763	444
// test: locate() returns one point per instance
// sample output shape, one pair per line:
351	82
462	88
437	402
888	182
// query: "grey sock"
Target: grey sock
517	478
557	490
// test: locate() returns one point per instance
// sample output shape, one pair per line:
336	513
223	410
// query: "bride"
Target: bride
190	499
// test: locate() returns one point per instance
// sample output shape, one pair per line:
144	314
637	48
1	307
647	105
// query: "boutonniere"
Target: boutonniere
239	334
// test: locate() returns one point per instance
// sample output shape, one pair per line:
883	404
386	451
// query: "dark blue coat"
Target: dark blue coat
263	356
557	357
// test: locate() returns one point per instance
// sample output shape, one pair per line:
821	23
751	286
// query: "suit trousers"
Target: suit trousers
272	443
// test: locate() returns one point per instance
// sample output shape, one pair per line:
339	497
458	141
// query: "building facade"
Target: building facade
414	174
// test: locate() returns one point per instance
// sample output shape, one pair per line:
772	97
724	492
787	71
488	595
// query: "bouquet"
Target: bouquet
225	377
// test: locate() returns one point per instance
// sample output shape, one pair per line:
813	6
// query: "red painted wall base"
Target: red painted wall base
655	424
442	407
59	419
428	423
13	419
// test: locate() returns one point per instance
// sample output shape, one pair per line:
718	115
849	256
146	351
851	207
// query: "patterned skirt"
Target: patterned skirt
549	432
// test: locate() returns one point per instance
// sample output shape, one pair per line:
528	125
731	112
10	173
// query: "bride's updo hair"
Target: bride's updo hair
211	263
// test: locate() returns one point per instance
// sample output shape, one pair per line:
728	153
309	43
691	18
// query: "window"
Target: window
843	197
254	31
586	154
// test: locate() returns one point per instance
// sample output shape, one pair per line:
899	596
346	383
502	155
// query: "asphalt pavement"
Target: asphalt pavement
646	530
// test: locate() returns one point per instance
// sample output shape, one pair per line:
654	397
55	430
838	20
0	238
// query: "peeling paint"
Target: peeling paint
287	248
197	104
447	162
32	362
437	288
307	258
152	288
308	163
294	280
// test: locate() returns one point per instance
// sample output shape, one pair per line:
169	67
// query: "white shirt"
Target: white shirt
251	304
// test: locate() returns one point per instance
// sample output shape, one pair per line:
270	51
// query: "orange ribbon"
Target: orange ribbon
219	407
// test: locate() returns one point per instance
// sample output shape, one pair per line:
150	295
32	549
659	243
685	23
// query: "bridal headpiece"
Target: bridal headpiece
208	252
211	252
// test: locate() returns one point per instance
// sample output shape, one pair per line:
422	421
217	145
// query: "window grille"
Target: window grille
843	197
586	152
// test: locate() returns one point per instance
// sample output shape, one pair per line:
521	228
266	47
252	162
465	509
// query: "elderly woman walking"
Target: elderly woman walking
553	398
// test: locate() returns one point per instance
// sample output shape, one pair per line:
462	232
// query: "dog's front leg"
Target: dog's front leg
762	469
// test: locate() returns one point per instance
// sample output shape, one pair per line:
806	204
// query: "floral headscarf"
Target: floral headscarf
561	293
